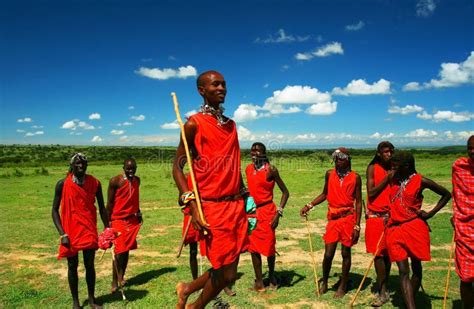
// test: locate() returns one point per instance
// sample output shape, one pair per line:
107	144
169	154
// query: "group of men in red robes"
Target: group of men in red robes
75	217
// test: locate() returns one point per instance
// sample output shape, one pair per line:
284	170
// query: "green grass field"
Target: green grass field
30	275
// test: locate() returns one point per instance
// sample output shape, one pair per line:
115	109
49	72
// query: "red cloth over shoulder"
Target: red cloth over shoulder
79	215
382	202
341	194
217	165
405	202
126	199
259	187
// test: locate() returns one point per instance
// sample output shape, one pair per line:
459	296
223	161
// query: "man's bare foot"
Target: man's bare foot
76	305
341	291
93	304
273	286
229	292
182	296
258	286
323	287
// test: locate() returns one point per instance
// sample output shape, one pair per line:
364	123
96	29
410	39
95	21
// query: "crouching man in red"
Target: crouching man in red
408	234
342	188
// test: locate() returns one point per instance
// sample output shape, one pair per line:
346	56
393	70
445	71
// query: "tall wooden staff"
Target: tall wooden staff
368	269
312	256
190	164
449	271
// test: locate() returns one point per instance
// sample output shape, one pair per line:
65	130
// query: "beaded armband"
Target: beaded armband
187	197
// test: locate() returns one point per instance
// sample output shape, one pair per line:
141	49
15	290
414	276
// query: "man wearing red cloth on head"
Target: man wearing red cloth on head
261	178
212	139
74	197
342	187
125	217
407	233
379	176
463	219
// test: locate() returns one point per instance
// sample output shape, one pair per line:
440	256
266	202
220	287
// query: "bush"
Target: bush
18	173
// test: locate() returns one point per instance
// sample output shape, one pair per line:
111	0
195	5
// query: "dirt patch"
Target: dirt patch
40	246
300	304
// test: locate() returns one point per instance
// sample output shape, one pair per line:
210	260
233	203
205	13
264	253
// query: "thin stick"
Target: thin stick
449	271
119	282
312	256
188	158
184	238
368	269
102	255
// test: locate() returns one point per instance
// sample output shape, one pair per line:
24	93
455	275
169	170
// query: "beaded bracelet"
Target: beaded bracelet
187	197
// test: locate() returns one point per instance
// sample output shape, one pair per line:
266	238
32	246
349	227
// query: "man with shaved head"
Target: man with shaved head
463	219
125	217
215	152
77	224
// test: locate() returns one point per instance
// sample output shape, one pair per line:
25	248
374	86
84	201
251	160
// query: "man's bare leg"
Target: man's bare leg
467	294
72	263
271	272
382	269
257	267
346	267
184	289
193	263
89	256
417	275
405	284
329	250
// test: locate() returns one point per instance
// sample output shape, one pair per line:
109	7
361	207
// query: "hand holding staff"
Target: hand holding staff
189	160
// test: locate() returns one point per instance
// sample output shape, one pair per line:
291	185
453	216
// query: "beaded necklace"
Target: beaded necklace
206	109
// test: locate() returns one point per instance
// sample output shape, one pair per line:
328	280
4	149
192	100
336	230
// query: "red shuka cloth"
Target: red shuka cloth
463	213
406	234
123	217
374	227
341	194
217	172
262	239
193	235
79	215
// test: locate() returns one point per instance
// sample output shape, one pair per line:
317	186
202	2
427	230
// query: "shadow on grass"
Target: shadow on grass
285	278
457	304
149	275
352	284
131	295
422	299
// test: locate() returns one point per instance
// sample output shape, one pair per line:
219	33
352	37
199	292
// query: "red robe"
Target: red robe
406	234
217	172
79	215
123	216
463	213
341	218
375	226
262	239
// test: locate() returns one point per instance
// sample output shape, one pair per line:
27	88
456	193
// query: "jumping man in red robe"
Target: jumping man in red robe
77	225
379	176
261	178
408	232
463	219
125	217
342	187
212	139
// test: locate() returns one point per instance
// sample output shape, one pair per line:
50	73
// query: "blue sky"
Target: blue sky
299	73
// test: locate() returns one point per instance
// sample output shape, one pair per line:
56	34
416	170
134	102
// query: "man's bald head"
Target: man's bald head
203	77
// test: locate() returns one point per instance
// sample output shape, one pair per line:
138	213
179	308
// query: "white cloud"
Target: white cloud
34	133
131	107
452	116
360	87
377	135
465	134
164	74
20	131
246	112
322	109
355	27
421	133
123	138
26	119
408	109
125	124
266	85
117	132
282	37
412	86
245	134
94	116
298	95
96	139
75	124
425	8
170	125
334	48
284	67
138	118
424	115
37	127
190	113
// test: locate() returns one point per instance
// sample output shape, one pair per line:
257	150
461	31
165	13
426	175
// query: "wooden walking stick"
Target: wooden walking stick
368	269
448	275
312	256
119	282
184	238
188	158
